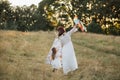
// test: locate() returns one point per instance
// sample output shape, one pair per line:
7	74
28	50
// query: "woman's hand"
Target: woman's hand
76	26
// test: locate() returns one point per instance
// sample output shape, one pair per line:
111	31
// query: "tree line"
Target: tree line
99	16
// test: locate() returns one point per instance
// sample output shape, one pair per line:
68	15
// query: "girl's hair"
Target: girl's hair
54	51
60	31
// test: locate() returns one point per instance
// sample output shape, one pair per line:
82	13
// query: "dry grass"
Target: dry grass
23	54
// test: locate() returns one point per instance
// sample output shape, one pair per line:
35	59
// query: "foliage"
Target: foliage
51	13
58	13
94	27
114	30
4	13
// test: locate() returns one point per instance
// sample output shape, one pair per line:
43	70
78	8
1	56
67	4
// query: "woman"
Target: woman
69	62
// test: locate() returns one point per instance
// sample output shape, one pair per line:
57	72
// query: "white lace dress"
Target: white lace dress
69	62
56	63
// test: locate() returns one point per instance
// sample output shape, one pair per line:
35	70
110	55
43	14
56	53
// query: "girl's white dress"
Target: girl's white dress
69	62
56	63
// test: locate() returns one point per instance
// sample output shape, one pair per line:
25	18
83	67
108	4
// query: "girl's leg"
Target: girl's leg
54	69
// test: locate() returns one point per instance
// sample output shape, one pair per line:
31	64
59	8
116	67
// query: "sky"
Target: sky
24	2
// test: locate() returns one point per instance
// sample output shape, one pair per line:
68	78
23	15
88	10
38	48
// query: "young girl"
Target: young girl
55	59
54	55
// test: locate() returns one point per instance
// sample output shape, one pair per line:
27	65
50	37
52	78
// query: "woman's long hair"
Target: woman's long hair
60	31
54	51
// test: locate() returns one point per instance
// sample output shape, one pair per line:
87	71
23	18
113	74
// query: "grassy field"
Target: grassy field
23	54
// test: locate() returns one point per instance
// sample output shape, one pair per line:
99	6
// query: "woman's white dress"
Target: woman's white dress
69	62
56	63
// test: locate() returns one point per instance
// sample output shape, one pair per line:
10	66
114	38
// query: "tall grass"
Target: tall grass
23	54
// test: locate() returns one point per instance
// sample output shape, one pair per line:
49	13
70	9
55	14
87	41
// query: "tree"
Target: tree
4	13
42	22
52	13
94	27
59	13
